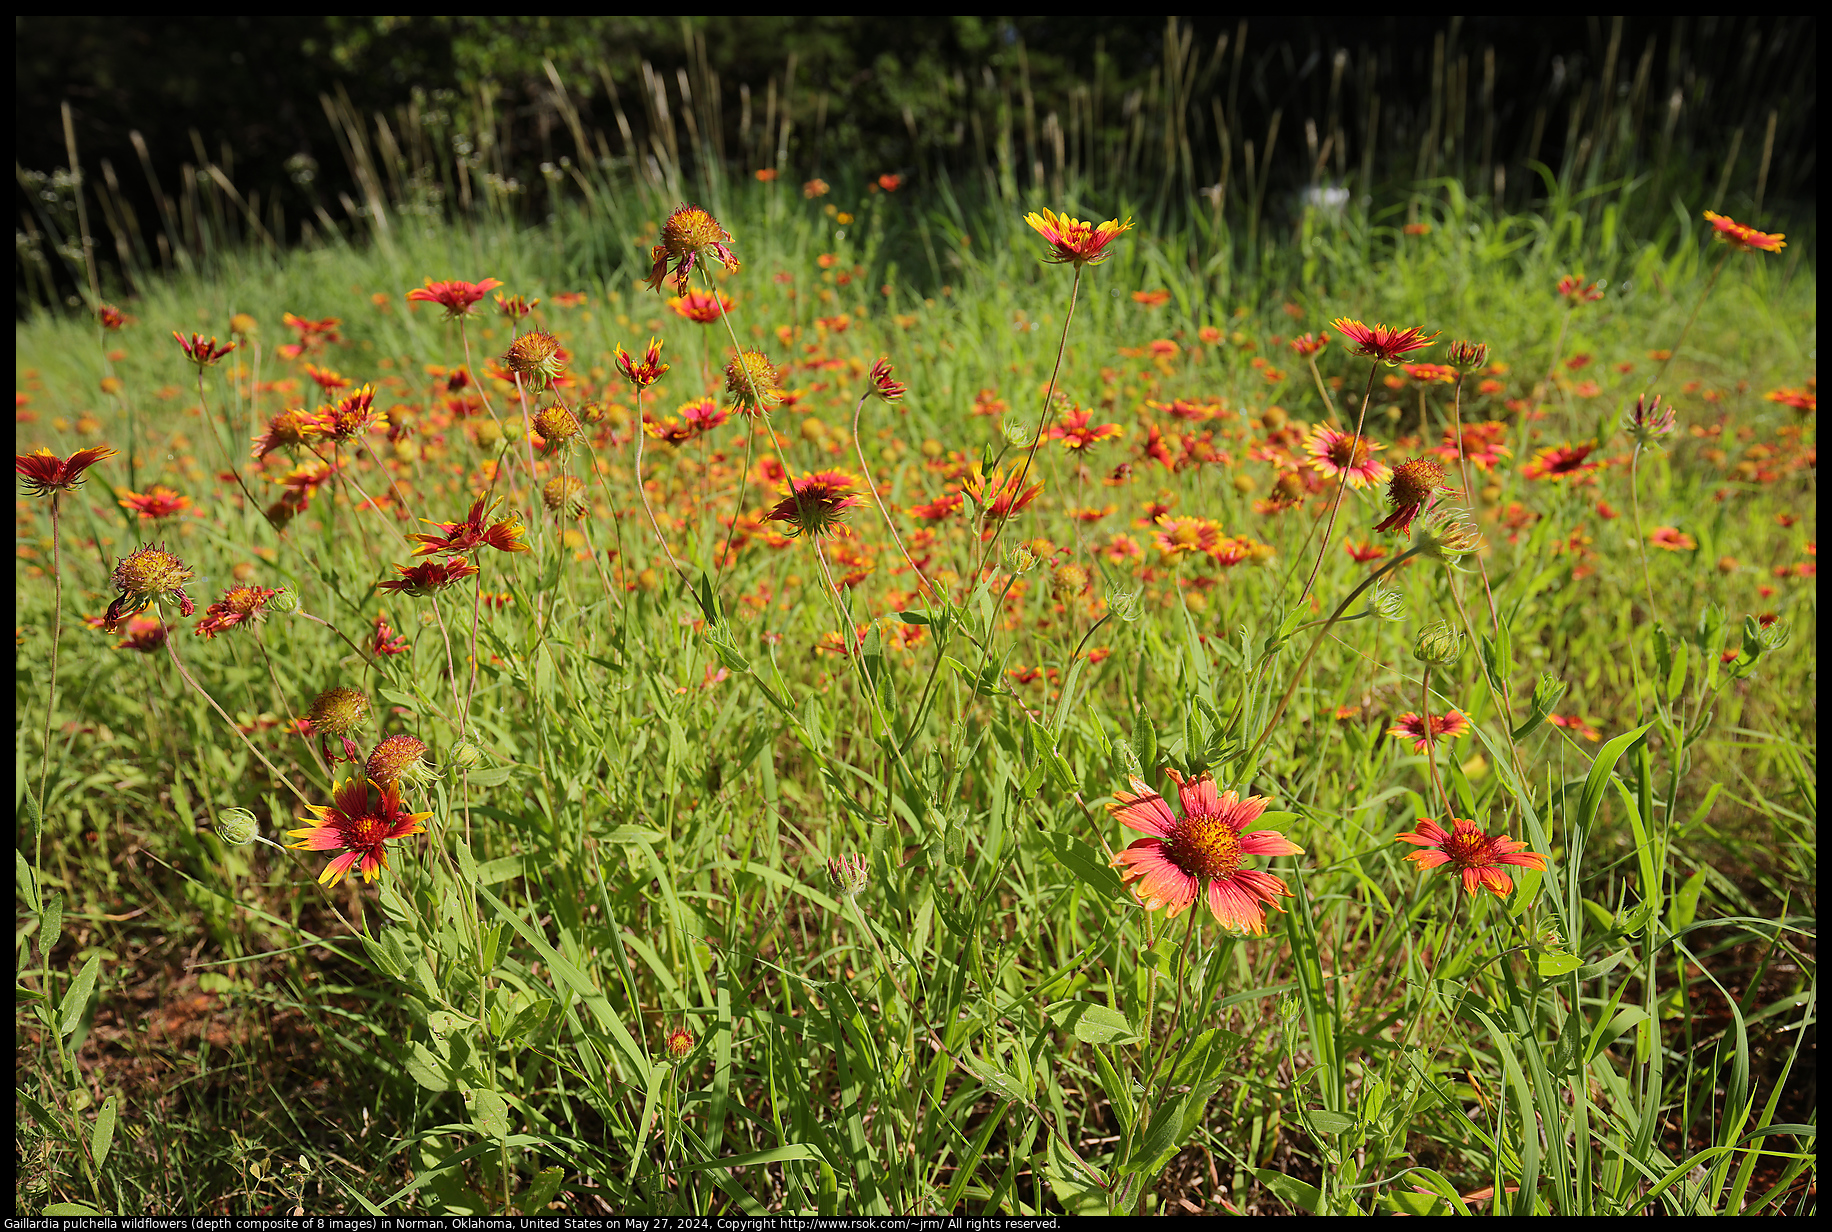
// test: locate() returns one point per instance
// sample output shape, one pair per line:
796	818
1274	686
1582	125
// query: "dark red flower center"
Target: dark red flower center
1469	849
1204	847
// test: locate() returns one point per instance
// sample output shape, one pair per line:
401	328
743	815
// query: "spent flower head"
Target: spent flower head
400	759
536	358
690	237
1409	491
753	383
143	576
1443	535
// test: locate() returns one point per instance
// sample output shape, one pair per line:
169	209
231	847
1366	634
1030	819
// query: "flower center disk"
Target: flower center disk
1204	847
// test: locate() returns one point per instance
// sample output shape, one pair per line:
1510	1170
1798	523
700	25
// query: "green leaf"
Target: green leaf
1092	1023
70	1208
1086	864
1598	779
1307	1198
1684	907
1558	963
489	1113
534	1199
493	776
913	618
1323	1121
102	1136
70	1011
995	1079
51	926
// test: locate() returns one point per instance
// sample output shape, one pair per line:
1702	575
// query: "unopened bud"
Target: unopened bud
848	875
284	601
1016	433
466	755
1440	644
237	827
679	1044
1546	693
1468	355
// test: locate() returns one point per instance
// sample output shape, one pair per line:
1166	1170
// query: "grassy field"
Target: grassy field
766	864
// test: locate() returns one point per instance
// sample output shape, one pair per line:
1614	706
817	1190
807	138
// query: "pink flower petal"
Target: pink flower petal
1144	811
1198	796
1268	843
1233	908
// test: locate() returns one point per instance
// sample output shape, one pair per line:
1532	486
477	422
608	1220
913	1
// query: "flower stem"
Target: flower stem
171	649
1431	744
1043	424
57	629
871	486
1696	309
1342	484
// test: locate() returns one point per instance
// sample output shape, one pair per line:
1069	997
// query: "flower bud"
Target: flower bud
237	827
466	755
848	875
1125	604
1438	645
679	1044
1648	421
1016	433
1020	559
1386	604
1467	356
1442	536
284	601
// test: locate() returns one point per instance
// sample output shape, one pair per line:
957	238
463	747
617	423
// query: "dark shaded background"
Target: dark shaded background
244	92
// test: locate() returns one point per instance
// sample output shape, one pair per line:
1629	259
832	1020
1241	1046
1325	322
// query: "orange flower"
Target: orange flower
816	503
1470	853
1444	727
385	641
703	307
1806	401
940	509
43	471
515	307
112	318
455	296
155	503
1334	453
1309	344
1180	536
1151	299
1382	342
766	174
814	188
350	823
1416	228
1672	539
1441	373
1480	444
1362	553
890	183
1076	433
1748	239
291	429
1074	242
1202	850
998	496
690	237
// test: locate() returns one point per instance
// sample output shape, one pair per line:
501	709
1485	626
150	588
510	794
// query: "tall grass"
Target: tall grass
644	780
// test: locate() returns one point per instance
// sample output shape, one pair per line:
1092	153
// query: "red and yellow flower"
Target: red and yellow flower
1200	852
1747	239
702	307
1408	492
1470	853
504	534
1385	343
43	471
816	504
1443	727
1334	453
360	821
690	237
454	295
1074	242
